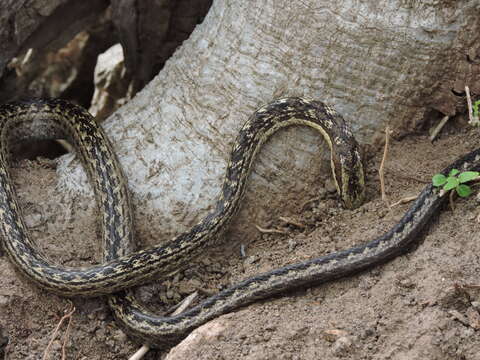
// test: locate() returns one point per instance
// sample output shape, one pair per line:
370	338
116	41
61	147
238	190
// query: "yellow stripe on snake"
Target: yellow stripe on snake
123	269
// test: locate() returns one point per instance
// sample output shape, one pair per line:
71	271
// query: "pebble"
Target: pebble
4	300
33	220
334	334
342	346
330	186
292	244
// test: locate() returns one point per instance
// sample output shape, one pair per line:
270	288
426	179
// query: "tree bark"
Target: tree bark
376	62
42	25
150	31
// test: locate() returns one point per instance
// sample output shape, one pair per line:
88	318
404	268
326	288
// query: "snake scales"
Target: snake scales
123	269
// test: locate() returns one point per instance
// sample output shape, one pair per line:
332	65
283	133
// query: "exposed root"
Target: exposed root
55	332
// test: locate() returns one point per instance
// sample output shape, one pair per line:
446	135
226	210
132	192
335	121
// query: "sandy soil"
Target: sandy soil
424	305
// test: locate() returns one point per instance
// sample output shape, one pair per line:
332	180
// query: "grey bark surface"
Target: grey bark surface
375	62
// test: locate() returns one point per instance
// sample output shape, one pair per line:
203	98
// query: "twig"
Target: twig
292	222
185	303
404	200
270	231
436	130
456	314
65	339
381	170
473	120
399	175
182	305
309	201
470	286
64	317
140	353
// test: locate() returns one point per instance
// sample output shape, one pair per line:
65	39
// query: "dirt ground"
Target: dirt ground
423	305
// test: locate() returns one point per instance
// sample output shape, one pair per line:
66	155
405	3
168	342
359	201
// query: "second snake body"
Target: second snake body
123	269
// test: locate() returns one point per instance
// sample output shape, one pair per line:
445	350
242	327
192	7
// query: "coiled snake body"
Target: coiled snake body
123	269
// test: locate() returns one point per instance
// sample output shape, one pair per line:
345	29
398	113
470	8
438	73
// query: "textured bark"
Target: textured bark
42	24
49	72
150	30
374	61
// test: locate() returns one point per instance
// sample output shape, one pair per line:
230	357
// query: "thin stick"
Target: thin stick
309	201
381	170
270	231
399	175
436	130
140	353
404	200
182	305
471	120
181	308
64	317
185	303
292	222
471	286
65	339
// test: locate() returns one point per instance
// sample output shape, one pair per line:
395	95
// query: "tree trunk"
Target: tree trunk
375	62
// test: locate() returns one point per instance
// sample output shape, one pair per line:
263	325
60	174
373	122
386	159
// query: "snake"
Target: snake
122	267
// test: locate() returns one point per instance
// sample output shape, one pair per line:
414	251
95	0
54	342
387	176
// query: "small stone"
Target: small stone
206	261
292	244
473	318
33	220
102	315
4	300
334	334
330	186
342	346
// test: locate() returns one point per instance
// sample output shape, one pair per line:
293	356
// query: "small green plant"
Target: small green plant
476	104
456	180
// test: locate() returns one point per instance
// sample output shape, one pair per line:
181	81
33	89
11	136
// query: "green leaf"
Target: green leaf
453	172
463	190
452	183
467	176
439	180
475	107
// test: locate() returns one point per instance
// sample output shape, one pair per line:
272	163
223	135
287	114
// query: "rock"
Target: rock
111	86
33	220
204	334
342	346
4	301
334	334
